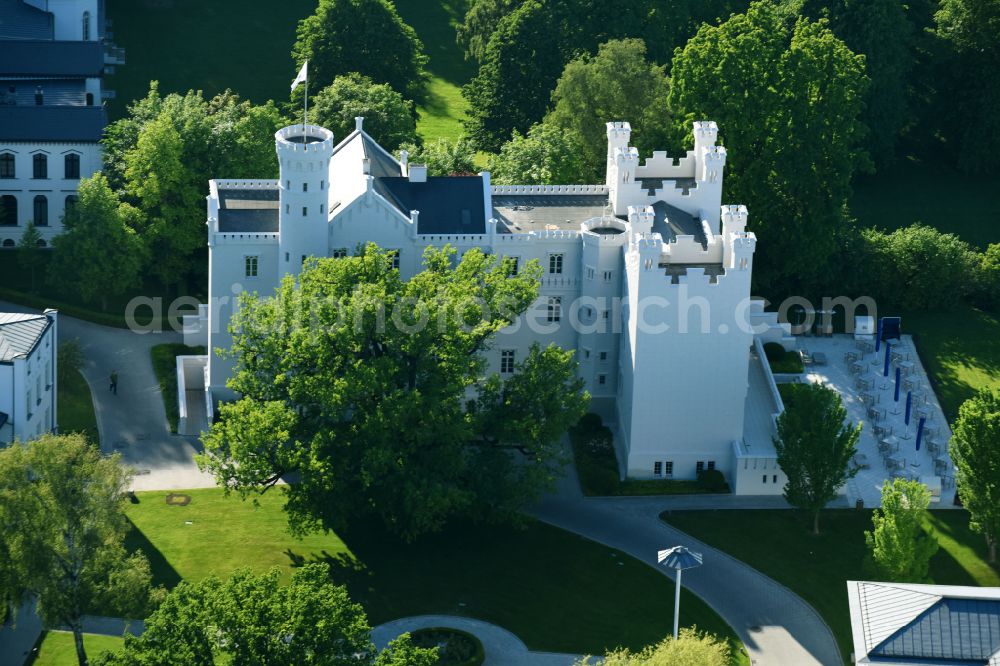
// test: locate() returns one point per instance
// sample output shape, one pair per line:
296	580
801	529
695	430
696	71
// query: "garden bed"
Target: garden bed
455	648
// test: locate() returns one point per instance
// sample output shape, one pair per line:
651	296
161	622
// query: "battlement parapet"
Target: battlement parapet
548	189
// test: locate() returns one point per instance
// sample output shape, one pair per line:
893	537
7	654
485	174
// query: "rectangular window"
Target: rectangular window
7	165
305	187
71	166
774	479
250	265
340	253
764	480
555	264
604	356
586	354
607	276
554	310
506	361
668	468
606	314
700	467
657	468
602	380
321	209
305	211
513	264
304	257
40	166
288	209
286	257
711	464
590	272
395	258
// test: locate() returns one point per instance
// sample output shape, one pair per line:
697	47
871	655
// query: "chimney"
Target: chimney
366	166
417	173
404	160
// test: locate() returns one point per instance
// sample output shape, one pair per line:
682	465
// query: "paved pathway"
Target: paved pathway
777	626
502	648
133	422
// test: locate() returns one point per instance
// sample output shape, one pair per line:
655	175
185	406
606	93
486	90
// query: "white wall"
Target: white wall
69	17
28	389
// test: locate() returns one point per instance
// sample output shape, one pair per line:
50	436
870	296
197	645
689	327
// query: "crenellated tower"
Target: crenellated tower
304	153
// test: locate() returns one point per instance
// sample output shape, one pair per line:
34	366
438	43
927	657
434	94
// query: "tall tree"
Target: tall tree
363	391
546	155
99	254
815	444
787	95
62	532
253	619
975	448
479	24
29	254
898	547
883	32
969	28
618	83
691	648
366	36
389	118
443	157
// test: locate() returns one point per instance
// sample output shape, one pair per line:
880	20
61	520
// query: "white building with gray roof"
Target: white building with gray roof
646	277
27	375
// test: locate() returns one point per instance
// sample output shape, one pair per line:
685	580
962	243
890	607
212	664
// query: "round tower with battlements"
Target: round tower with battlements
304	153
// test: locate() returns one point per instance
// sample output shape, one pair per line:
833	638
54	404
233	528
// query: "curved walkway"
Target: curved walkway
777	627
502	648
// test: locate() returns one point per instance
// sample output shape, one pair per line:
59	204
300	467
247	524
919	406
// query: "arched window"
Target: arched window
41	211
7	165
71	202
8	210
40	162
71	166
86	26
8	242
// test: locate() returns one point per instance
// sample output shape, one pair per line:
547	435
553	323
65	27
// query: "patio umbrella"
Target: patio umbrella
909	404
878	336
885	367
895	395
920	431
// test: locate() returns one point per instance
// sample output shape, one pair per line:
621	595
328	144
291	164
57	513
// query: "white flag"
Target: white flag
303	74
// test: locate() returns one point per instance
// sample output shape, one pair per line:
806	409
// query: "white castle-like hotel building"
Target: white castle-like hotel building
646	277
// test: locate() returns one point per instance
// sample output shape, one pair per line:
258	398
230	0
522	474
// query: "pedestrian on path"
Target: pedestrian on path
114	382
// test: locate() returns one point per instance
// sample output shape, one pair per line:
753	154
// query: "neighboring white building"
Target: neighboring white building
903	624
647	277
27	375
53	55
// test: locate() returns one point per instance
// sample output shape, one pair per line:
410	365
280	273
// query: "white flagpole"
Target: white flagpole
305	112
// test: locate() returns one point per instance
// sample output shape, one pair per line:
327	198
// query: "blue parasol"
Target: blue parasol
895	395
878	336
909	404
885	368
920	431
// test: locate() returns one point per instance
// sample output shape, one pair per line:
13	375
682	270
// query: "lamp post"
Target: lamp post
678	558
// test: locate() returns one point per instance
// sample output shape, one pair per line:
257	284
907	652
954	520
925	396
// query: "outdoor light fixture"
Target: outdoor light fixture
678	558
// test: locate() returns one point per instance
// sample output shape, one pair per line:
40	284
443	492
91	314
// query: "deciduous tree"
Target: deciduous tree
815	445
443	157
481	20
975	448
366	36
787	95
62	530
898	547
546	155
691	648
618	83
29	254
98	254
389	118
359	383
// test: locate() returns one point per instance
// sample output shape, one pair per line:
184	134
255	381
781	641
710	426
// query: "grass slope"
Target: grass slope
57	648
961	351
75	407
245	45
164	359
556	591
934	194
780	544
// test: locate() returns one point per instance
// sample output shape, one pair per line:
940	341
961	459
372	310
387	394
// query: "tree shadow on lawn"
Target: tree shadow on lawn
163	573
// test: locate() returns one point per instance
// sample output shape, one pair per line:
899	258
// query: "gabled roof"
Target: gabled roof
382	163
51	58
447	204
253	211
52	123
19	20
19	333
942	625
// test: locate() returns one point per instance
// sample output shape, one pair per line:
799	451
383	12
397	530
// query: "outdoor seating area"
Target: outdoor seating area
891	396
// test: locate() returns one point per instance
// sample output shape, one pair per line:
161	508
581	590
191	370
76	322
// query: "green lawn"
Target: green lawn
75	408
934	194
245	45
165	366
58	649
556	591
960	349
781	545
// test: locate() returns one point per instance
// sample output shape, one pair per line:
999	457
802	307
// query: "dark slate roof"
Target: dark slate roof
52	123
19	333
671	222
447	204
19	20
952	631
383	165
51	58
251	211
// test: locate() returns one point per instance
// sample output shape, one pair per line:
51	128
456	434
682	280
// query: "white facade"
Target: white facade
28	374
646	277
